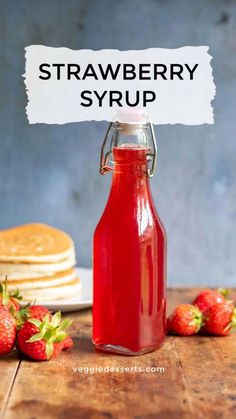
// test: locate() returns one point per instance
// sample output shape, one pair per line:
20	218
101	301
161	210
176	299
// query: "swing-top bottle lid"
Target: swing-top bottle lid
130	120
131	128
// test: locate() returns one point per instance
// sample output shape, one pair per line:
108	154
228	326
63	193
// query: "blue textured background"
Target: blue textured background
50	173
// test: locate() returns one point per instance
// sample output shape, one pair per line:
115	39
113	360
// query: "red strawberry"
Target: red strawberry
36	350
34	311
186	320
220	319
43	340
67	343
208	298
9	300
7	331
38	312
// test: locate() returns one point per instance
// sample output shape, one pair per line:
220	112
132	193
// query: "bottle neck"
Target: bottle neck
130	154
130	159
130	172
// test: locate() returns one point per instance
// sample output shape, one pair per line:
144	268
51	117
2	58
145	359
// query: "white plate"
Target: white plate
84	299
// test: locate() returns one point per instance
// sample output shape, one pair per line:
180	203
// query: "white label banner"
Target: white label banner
175	86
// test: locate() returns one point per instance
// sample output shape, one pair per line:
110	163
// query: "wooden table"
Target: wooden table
197	379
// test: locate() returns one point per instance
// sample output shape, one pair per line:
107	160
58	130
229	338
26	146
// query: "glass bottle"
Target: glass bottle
129	259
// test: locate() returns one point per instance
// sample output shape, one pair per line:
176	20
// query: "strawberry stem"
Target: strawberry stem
6	295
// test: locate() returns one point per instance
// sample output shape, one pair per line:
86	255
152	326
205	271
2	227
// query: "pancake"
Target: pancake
39	260
35	243
42	282
70	289
28	270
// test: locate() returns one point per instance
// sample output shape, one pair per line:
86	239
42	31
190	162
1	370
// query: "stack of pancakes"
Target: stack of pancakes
39	260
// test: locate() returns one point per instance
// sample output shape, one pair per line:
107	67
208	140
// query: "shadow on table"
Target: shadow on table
84	344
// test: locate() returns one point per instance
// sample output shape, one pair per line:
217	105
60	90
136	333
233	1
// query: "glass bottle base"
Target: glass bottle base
124	351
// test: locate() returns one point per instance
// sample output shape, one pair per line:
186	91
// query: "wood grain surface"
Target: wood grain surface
197	379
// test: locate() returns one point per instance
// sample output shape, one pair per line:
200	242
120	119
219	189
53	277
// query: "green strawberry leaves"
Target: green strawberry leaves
64	324
60	336
223	291
35	338
56	319
51	331
22	315
36	323
16	294
232	324
6	295
49	349
197	320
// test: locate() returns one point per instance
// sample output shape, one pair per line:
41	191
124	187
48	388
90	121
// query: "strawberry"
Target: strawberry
7	331
38	312
34	311
9	300
220	319
44	339
186	320
208	298
67	343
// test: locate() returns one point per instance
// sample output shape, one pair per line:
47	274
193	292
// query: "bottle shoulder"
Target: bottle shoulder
131	220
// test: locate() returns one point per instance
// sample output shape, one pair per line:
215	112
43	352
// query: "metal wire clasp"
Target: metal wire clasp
152	156
104	167
104	156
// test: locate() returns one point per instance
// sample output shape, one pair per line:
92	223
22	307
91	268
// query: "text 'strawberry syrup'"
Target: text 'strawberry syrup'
129	260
